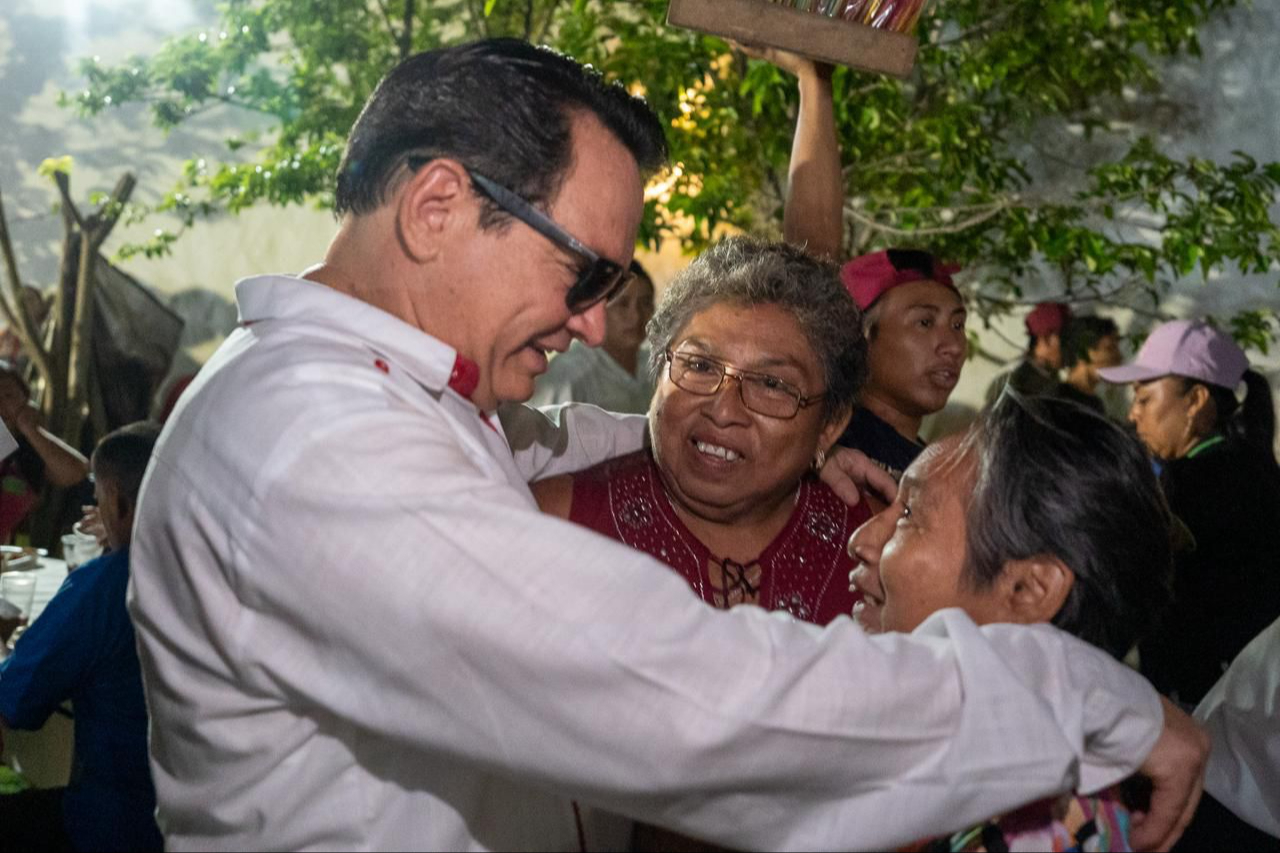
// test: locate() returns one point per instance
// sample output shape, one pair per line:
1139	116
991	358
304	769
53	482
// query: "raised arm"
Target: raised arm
814	211
64	465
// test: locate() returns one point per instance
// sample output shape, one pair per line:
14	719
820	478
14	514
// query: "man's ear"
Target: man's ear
1034	589
435	198
124	513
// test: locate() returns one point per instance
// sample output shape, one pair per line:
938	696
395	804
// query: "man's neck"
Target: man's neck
907	426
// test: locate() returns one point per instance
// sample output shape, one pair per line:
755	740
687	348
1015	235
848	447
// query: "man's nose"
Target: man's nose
589	326
953	342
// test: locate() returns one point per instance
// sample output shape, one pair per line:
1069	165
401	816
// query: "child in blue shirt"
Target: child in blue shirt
82	649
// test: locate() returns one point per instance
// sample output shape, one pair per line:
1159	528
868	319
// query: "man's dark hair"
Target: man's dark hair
1081	335
1055	478
502	107
121	457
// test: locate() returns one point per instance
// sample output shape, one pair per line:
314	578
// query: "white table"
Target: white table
43	756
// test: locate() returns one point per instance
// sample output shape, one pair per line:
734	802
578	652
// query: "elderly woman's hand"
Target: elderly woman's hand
851	472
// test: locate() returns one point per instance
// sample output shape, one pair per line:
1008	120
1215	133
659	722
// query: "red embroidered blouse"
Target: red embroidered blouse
804	570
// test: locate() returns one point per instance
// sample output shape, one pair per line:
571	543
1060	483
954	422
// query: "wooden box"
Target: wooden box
833	40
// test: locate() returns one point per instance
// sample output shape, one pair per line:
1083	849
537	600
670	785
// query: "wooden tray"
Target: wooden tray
818	37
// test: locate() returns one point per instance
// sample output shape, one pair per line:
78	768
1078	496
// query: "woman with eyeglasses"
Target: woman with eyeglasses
759	352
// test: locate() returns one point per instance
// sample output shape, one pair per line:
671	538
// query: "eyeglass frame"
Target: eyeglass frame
729	371
519	207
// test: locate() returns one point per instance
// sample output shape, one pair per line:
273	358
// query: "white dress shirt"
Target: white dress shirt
357	632
1242	714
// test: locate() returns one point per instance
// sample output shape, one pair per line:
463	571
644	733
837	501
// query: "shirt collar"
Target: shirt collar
431	362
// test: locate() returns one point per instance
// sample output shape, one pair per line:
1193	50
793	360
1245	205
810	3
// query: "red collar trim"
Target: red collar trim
465	376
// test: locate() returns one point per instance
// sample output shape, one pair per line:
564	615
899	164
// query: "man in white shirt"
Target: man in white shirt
357	632
1242	714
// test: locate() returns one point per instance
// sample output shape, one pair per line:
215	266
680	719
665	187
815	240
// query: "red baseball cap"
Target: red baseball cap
1047	318
868	277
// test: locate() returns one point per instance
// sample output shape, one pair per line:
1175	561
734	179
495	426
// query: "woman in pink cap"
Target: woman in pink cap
1220	475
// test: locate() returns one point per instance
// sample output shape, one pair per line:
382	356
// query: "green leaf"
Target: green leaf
55	166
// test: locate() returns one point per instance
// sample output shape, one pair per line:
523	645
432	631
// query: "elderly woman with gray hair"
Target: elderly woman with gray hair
760	353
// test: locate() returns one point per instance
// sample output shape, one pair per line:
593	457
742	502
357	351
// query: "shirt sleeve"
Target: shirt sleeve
50	659
485	632
563	439
1242	714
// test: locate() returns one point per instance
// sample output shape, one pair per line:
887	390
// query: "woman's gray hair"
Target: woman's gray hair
747	271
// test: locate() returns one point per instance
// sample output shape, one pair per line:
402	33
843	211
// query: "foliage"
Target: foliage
1016	147
11	782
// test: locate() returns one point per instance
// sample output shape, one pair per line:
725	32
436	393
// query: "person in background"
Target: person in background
913	316
1241	806
1037	372
1088	345
616	375
37	308
41	456
81	650
1221	478
1040	512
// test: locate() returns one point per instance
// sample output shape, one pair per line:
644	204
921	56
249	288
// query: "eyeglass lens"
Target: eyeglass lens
761	393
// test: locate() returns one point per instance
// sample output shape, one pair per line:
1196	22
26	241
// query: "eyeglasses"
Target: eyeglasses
761	393
599	279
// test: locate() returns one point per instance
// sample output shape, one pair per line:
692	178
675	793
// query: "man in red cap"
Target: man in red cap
914	319
1037	372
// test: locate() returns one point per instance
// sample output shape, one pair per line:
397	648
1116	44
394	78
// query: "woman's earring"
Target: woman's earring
819	459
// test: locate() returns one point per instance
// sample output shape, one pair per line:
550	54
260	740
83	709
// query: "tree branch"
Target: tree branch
954	228
406	31
17	315
548	20
69	211
386	18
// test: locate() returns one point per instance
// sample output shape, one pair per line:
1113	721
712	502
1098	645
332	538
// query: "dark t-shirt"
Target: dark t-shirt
1227	589
881	442
1067	391
1028	379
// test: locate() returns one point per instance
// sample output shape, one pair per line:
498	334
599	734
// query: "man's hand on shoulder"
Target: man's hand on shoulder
1176	769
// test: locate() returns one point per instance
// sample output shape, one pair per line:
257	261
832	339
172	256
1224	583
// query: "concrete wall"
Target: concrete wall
1234	104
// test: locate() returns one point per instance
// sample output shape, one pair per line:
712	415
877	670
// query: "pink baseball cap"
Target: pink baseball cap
868	277
1190	348
1047	318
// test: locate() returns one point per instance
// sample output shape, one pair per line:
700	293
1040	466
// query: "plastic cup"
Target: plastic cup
20	591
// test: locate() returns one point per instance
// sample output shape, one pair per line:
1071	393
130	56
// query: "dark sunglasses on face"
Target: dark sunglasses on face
599	279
